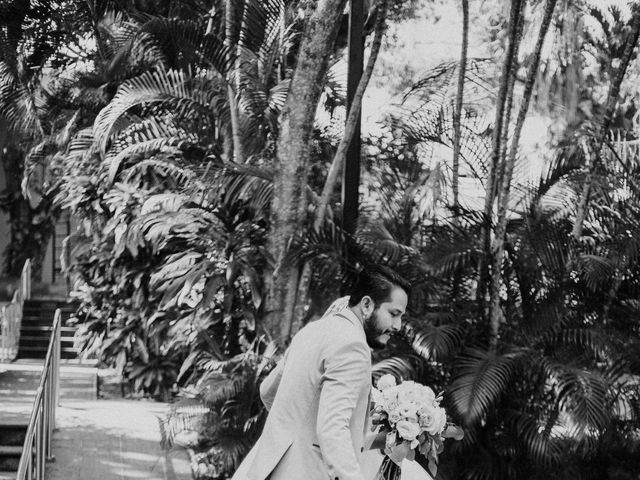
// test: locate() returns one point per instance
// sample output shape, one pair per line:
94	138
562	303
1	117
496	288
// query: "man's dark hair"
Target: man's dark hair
377	282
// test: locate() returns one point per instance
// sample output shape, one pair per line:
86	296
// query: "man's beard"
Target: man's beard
373	334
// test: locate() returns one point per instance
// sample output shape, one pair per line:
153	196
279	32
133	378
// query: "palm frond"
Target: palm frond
401	367
582	396
143	150
166	202
216	387
595	270
436	343
194	46
178	175
481	379
584	338
172	87
18	105
535	439
232	183
186	415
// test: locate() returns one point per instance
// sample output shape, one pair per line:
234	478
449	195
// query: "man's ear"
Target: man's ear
367	303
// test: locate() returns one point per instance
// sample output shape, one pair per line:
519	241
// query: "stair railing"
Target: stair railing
37	443
11	320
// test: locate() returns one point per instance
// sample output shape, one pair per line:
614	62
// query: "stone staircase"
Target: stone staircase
19	380
37	321
18	385
11	439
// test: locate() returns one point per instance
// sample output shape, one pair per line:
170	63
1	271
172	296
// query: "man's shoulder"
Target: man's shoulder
336	328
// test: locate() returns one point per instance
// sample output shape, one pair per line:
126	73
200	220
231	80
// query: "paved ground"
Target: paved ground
94	439
113	439
19	382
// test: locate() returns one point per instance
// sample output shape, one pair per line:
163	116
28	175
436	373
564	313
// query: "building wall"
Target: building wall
5	230
47	266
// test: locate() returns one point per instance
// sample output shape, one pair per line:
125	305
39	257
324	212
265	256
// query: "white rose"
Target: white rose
408	391
408	411
390	439
390	396
427	395
408	430
441	420
376	396
394	417
386	381
433	420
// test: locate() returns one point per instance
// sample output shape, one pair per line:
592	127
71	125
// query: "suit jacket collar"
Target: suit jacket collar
353	318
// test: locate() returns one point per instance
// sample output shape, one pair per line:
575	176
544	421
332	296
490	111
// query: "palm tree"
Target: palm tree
624	56
459	100
164	206
545	397
550	387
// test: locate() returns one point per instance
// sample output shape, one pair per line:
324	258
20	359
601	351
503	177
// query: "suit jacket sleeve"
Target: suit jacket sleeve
343	380
269	386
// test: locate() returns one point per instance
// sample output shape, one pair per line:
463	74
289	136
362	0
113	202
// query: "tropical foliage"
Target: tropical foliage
161	132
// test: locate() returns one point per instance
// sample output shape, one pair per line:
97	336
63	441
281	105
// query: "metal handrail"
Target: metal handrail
11	320
37	443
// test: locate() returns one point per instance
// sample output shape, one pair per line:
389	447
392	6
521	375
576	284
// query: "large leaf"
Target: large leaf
534	437
400	367
173	88
436	343
583	396
481	379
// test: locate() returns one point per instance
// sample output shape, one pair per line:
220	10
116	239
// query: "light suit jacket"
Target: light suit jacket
318	400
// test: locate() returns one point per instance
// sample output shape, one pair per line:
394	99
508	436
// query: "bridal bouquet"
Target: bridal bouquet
412	416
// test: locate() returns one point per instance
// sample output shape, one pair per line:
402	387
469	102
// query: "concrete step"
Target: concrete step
42	340
49	305
11	450
36	311
46	330
19	382
10	457
12	434
45	318
37	325
31	352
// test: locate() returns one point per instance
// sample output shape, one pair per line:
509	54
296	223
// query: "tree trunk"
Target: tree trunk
352	119
338	160
231	41
573	71
494	167
457	114
505	187
508	109
289	205
612	103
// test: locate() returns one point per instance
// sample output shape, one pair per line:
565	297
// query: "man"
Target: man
318	395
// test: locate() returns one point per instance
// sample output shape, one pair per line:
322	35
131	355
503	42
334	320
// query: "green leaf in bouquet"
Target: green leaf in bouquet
432	462
424	448
453	431
411	456
438	444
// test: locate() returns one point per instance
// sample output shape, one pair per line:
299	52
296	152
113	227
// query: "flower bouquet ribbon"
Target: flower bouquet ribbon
411	416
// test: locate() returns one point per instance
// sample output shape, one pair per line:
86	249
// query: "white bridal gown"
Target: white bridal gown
410	470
